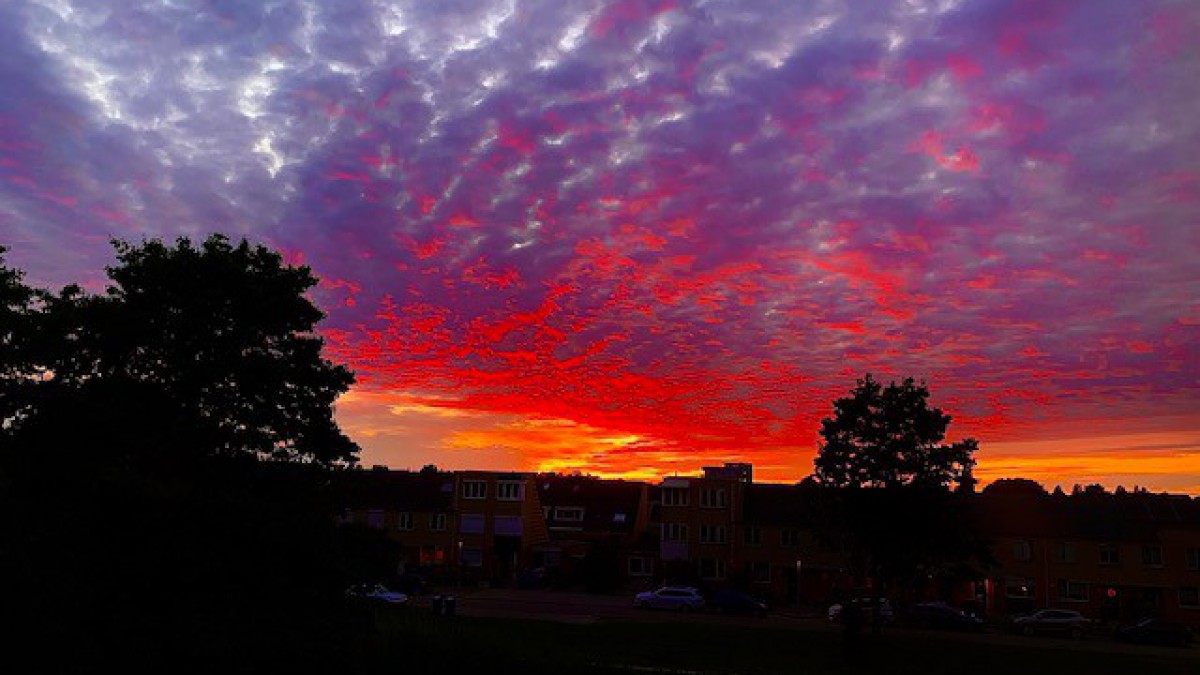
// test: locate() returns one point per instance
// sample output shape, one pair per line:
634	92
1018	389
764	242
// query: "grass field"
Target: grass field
420	642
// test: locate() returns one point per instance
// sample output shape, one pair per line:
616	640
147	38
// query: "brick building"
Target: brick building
1110	556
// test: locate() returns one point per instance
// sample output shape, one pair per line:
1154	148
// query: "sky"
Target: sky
637	237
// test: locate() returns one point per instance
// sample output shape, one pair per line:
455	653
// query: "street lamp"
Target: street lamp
798	567
458	577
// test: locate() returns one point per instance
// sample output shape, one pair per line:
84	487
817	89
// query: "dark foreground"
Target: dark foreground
413	641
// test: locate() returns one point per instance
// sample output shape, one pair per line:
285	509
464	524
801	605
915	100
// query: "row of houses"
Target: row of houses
1111	556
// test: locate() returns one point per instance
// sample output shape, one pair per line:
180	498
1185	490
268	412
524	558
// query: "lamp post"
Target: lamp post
798	568
458	577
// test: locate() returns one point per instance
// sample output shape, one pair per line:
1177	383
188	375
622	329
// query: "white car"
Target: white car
681	598
376	593
1052	622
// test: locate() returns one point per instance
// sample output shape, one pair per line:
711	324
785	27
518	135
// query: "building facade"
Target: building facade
1113	557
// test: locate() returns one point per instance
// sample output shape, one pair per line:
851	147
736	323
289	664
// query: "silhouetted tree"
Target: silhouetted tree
892	494
16	334
224	333
890	437
164	459
1015	486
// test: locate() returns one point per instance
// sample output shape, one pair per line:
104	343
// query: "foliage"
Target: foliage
222	333
1015	486
15	340
890	437
166	455
882	489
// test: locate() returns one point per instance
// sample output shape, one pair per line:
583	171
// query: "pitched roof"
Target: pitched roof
1128	516
773	504
427	491
609	505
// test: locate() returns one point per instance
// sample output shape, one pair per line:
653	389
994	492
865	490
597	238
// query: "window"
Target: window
432	555
1066	552
474	489
712	568
568	513
674	497
1152	555
790	537
510	490
1022	551
507	526
712	534
674	532
1072	591
1189	596
760	572
1018	588
375	518
472	557
1109	554
471	523
640	566
753	535
437	522
404	521
1192	557
618	518
712	498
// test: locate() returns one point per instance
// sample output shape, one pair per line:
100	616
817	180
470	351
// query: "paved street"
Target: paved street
577	607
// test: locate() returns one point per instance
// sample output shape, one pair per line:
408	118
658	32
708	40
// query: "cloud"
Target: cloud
693	224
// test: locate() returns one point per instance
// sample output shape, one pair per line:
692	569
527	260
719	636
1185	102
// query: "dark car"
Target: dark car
943	616
680	598
866	607
1152	631
736	602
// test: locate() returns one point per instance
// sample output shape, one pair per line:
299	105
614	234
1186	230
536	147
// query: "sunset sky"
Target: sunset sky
633	238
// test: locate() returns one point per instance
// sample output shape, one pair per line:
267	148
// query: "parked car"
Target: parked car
1052	622
376	593
944	616
1153	631
735	602
681	598
867	606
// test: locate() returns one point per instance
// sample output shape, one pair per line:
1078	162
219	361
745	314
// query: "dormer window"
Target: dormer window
568	514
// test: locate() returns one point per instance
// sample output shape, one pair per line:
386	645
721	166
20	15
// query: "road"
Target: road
575	607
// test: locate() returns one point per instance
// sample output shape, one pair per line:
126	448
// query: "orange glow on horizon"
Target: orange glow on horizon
472	439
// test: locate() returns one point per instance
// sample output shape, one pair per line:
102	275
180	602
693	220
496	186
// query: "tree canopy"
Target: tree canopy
14	309
221	335
166	449
889	436
891	493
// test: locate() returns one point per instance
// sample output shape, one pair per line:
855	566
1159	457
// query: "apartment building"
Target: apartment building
699	521
469	526
1110	556
584	514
